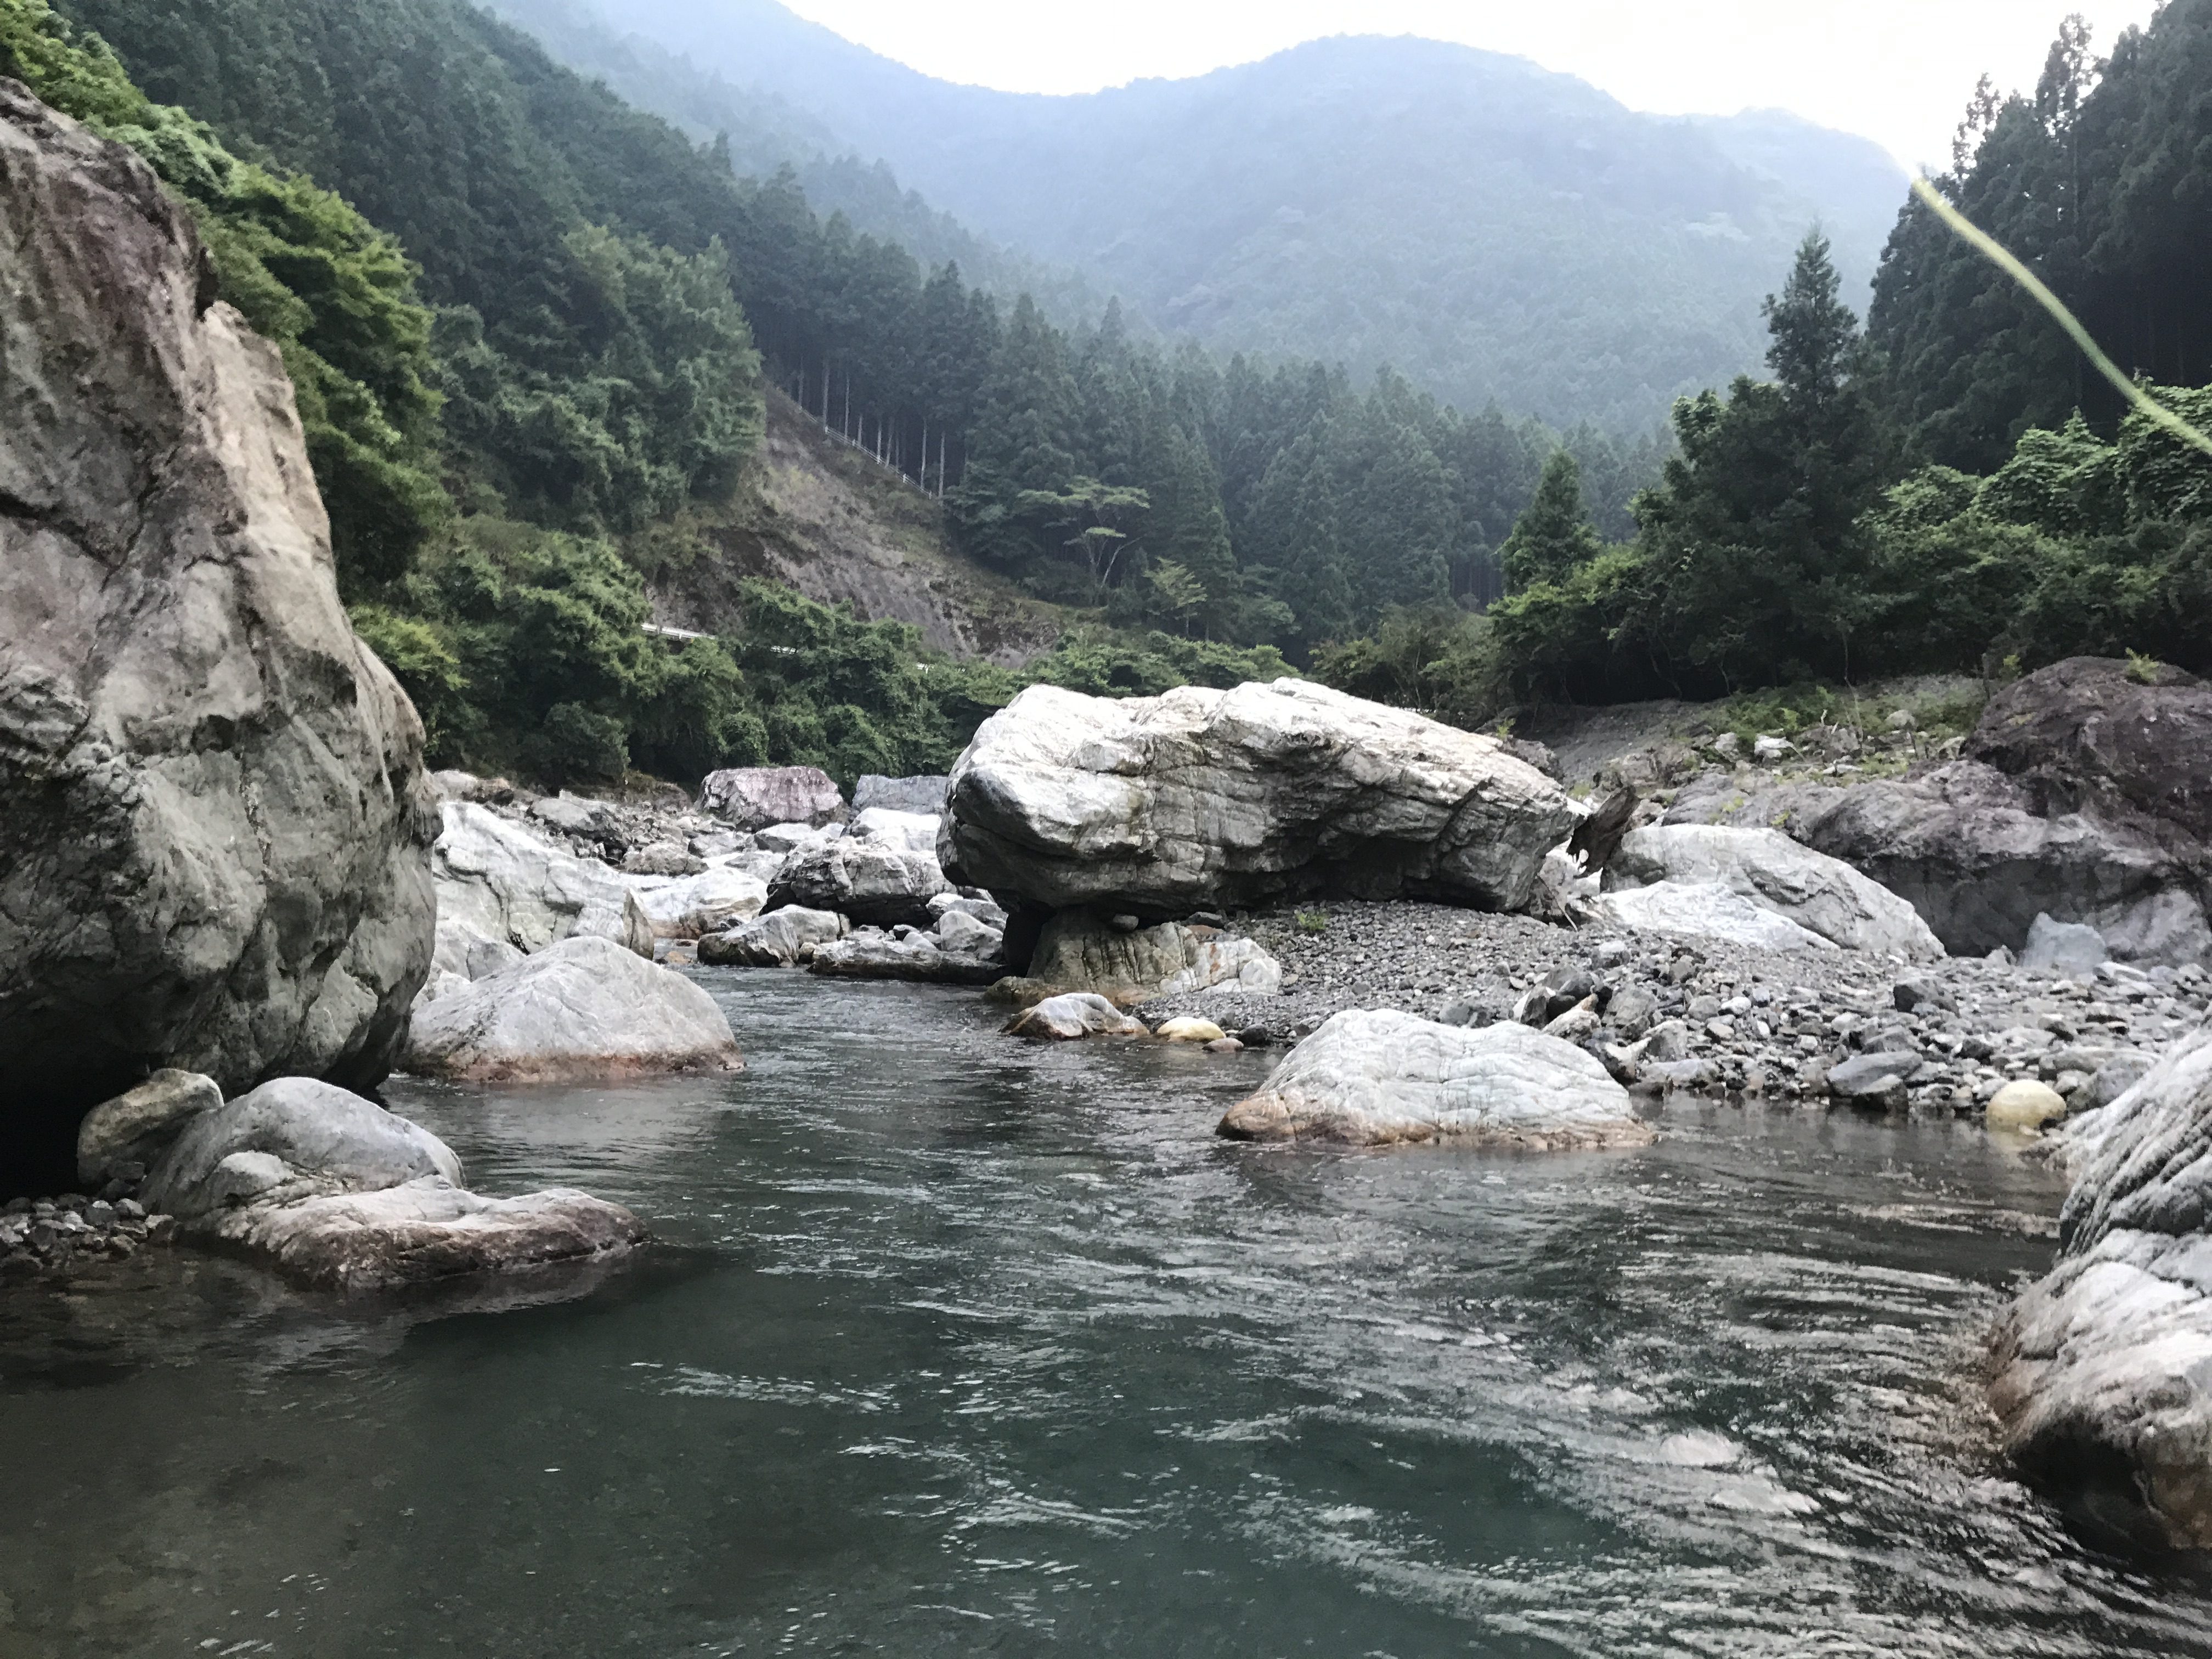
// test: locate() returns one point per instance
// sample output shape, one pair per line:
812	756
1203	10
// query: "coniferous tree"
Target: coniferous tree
1554	537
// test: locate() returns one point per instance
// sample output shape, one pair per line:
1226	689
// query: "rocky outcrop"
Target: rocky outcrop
873	882
691	907
337	1193
1081	951
781	938
584	1008
2103	1379
1374	1078
214	822
920	794
1707	911
754	797
927	958
2120	742
1822	894
1163	805
498	881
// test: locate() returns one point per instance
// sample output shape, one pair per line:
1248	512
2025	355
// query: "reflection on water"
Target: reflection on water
958	1346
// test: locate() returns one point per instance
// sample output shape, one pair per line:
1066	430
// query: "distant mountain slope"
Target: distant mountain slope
1499	232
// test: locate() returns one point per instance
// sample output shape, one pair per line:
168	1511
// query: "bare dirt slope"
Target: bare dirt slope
832	521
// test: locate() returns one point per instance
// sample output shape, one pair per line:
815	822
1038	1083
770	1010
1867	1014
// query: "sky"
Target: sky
1899	71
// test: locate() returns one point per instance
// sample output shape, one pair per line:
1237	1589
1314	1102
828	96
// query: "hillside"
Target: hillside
1503	233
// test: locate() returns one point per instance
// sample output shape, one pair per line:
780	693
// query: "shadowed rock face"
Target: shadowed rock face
215	829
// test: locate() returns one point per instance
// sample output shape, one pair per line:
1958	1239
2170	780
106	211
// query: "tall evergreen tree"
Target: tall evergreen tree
1554	537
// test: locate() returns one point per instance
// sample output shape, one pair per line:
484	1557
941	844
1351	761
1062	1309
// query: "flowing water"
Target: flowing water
958	1345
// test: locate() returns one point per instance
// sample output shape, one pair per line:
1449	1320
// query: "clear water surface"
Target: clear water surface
958	1346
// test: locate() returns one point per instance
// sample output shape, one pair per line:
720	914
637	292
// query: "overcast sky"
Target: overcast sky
1897	71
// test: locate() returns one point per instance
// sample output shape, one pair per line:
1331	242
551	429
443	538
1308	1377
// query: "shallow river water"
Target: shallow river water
959	1346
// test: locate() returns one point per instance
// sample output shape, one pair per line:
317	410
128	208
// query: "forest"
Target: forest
531	328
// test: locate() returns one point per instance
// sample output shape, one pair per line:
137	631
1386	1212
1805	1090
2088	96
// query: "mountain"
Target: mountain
1499	232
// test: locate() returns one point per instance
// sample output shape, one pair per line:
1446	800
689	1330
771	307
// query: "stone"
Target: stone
957	930
138	1126
503	883
1017	991
1073	1015
214	824
1824	895
871	882
695	906
2025	1104
1876	1079
2063	947
911	832
1080	951
579	816
1708	912
1630	1013
1381	1078
1577	1024
984	910
1188	1029
755	797
781	939
918	795
1224	1045
2112	1079
2096	735
1769	750
1668	1041
918	956
2103	1371
1917	991
585	1008
1200	798
297	1135
663	857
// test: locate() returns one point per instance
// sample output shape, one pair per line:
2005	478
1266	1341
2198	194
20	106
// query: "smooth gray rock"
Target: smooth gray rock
499	881
1824	895
141	1124
2107	1361
578	815
872	882
1377	1077
691	907
584	1008
2112	1079
755	797
910	832
1682	910
1080	951
920	794
213	821
1199	799
1072	1015
777	939
2063	947
919	957
1872	1079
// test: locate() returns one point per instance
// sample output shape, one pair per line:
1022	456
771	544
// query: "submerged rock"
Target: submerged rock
2103	1380
1080	951
584	1008
1377	1077
1163	806
336	1192
1822	894
215	826
1073	1015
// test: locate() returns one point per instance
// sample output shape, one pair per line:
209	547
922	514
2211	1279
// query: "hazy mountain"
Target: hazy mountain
1499	232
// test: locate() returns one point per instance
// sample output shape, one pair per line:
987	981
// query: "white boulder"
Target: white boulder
1707	912
781	938
754	797
584	1008
1377	1077
1163	805
691	907
1821	894
1075	1015
910	832
870	881
503	883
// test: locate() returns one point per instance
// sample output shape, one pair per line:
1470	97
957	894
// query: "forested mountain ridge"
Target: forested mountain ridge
1499	232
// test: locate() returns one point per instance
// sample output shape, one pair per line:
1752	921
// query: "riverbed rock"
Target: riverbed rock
215	825
1377	1077
139	1124
1073	1015
2024	1103
1877	1079
2103	1377
692	906
2074	948
779	938
1707	911
910	832
335	1192
918	956
1824	895
582	1009
872	882
918	794
1081	951
2107	737
504	883
755	797
1200	798
1186	1029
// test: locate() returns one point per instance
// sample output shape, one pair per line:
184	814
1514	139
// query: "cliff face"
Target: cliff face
215	829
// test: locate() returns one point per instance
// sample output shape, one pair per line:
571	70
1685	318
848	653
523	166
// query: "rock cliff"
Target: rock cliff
215	830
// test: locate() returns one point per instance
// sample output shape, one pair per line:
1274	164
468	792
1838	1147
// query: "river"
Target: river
958	1345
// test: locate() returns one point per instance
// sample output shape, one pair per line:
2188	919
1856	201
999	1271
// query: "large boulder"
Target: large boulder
500	881
754	797
130	1132
2103	1379
215	826
911	832
1071	1016
1824	895
584	1008
1078	951
926	958
2108	738
1197	799
781	938
691	907
921	794
1377	1077
1707	911
338	1193
873	882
